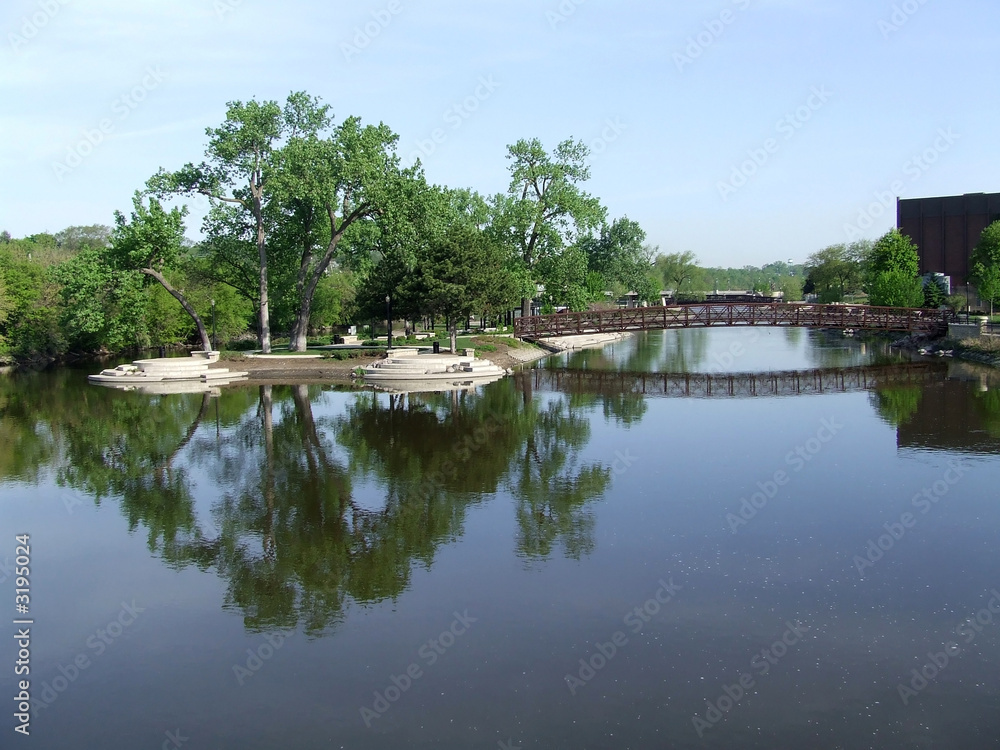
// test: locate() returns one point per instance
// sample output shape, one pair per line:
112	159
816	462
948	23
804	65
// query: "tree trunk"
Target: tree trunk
206	342
300	329
525	307
265	313
453	327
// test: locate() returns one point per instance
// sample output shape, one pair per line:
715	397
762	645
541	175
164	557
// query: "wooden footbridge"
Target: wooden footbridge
730	385
708	315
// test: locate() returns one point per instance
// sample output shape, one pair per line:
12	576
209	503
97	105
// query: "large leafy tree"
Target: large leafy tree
836	271
986	265
458	275
243	158
331	183
619	254
103	307
677	269
31	299
384	251
545	208
892	272
565	277
78	237
150	243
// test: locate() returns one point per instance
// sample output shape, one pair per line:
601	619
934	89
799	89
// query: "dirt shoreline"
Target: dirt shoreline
299	369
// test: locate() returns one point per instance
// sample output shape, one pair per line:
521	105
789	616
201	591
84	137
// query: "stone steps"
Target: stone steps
411	364
169	369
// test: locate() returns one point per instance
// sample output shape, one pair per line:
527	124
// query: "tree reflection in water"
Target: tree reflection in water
285	516
281	526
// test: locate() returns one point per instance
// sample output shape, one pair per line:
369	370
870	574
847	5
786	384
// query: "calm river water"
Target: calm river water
596	553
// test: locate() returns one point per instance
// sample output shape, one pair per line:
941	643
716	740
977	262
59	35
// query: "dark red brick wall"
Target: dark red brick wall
945	230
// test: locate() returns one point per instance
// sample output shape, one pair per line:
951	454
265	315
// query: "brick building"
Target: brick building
945	231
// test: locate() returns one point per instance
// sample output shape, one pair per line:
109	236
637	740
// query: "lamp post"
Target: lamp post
214	344
388	319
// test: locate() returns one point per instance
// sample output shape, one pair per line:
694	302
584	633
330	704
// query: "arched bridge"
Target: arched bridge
707	315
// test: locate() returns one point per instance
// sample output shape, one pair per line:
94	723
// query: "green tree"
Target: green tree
986	265
545	209
892	272
102	307
458	275
151	244
31	300
244	157
77	238
564	277
935	293
341	179
623	259
677	270
791	288
895	289
836	271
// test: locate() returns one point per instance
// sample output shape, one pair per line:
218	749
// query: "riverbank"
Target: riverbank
506	353
984	350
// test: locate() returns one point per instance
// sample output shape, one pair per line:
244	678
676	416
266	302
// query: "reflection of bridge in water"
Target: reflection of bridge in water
734	385
710	315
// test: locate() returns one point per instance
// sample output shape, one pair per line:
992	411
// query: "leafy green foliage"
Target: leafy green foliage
891	272
544	209
458	275
893	252
152	238
565	277
623	260
895	289
150	244
242	178
836	271
77	238
30	326
986	265
935	292
102	307
677	270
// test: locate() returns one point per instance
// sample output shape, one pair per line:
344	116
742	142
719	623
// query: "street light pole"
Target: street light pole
388	319
214	340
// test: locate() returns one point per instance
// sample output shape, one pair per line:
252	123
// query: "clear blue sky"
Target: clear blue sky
834	99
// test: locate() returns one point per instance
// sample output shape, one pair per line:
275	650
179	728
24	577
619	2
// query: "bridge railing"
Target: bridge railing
705	315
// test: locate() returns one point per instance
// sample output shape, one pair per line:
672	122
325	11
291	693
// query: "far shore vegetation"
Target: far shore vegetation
314	224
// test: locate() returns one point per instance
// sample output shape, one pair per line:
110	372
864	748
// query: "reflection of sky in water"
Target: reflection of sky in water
724	350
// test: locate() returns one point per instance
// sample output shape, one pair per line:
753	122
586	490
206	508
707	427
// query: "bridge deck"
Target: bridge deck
860	317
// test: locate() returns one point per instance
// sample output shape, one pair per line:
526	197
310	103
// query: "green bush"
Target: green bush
956	302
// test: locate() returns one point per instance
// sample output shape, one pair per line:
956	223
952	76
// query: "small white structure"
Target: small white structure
143	372
412	364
